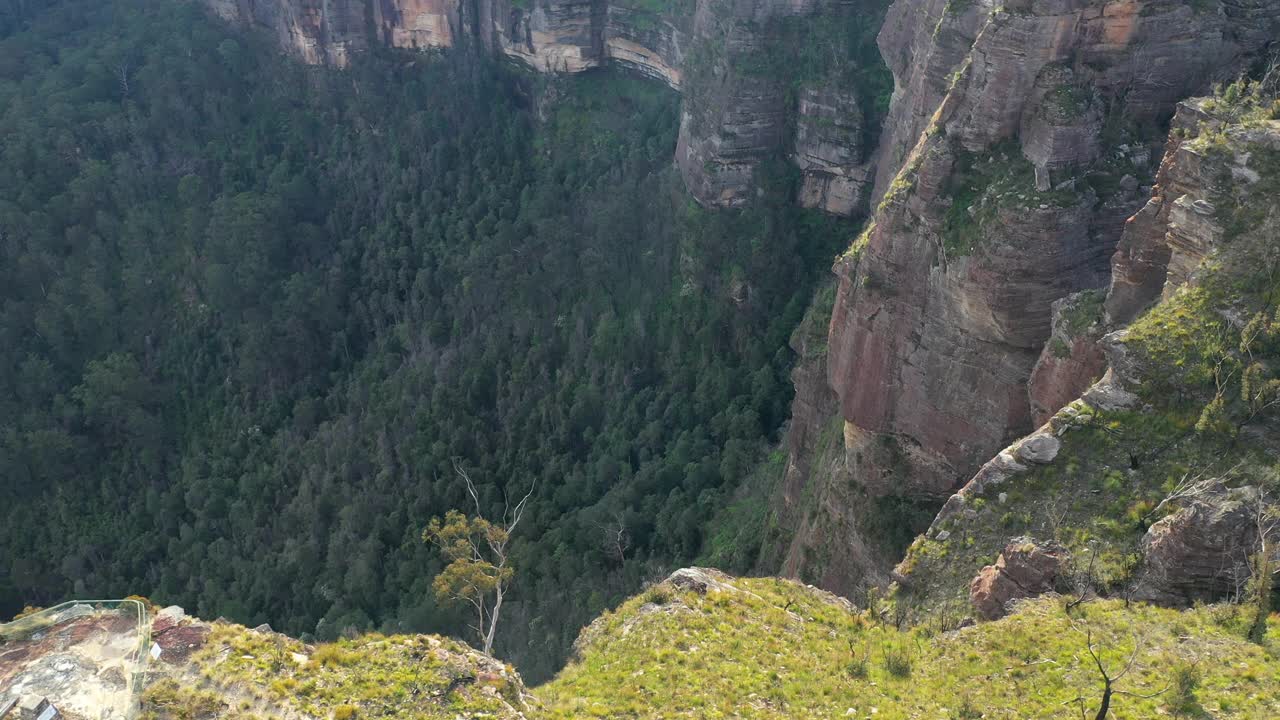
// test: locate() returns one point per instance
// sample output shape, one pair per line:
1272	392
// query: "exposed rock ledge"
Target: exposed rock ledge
735	116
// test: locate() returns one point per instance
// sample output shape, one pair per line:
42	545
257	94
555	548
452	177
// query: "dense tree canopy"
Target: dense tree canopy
251	312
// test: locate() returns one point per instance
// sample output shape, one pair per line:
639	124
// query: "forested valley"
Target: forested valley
253	313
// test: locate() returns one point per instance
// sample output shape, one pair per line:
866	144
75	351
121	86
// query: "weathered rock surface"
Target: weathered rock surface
732	117
1202	550
82	660
700	580
1141	263
1072	360
939	325
824	513
1024	569
923	42
729	57
830	126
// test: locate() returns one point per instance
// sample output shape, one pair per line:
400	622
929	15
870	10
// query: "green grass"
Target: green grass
250	674
775	649
982	186
1083	312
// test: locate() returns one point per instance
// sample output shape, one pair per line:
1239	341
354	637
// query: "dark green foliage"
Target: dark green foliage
251	311
896	520
836	47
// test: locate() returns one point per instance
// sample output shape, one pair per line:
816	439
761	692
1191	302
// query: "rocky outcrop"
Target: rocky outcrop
827	539
1024	569
1202	550
315	31
1140	265
1221	155
1008	201
546	35
203	668
923	43
829	150
764	75
734	60
1072	360
83	659
106	659
733	115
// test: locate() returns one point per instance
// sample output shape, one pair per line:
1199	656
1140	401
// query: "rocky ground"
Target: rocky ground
81	658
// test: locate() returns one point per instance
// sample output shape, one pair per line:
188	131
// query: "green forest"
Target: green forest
252	313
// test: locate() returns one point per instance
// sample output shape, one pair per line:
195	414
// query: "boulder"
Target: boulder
1040	449
700	580
1201	551
1024	569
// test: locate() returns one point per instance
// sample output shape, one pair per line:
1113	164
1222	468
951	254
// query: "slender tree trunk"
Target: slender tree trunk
1106	702
493	623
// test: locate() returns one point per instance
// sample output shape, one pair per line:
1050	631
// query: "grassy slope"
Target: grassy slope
246	674
777	649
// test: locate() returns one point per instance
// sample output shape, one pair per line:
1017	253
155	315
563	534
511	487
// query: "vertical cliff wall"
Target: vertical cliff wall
1018	141
761	78
1203	249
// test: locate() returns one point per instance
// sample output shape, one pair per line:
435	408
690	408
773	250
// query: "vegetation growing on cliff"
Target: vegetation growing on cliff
836	47
982	186
252	311
1201	365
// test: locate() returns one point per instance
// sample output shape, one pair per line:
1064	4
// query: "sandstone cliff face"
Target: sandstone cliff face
1024	569
765	75
1018	142
995	214
315	31
1072	360
1115	449
829	150
923	43
734	60
1141	263
1201	551
547	35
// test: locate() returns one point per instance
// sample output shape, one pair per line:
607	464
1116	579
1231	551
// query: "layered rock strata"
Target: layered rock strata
1019	140
1024	569
1207	218
733	59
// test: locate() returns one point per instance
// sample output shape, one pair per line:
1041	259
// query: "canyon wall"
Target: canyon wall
1203	250
735	62
1019	139
1018	142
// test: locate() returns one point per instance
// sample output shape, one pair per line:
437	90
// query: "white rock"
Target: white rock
173	611
1039	449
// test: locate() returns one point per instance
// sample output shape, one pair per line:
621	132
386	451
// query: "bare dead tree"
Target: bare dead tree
1189	487
1084	582
615	539
123	69
1109	679
1055	517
